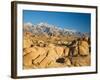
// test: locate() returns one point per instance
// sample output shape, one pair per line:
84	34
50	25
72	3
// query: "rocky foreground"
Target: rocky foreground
52	52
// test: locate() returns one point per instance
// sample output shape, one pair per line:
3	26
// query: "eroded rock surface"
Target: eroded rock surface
41	54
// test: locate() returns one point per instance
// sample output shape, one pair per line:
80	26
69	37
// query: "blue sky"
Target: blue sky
75	21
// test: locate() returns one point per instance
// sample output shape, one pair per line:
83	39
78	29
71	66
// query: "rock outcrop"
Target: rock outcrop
75	53
55	48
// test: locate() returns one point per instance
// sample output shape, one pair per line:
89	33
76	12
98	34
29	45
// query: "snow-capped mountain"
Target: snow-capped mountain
47	29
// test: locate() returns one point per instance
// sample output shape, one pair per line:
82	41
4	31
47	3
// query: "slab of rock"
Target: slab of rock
28	50
39	59
81	61
67	62
33	54
85	38
66	51
83	48
27	43
60	51
51	45
54	64
45	62
52	54
75	52
27	59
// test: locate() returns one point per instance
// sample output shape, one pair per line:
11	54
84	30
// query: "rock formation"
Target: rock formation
49	51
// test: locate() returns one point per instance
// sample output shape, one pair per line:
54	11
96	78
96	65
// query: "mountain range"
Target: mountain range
48	29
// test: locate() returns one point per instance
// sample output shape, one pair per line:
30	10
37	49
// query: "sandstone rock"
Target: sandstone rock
59	51
75	52
83	51
52	54
59	42
40	41
67	62
27	43
42	52
60	64
29	50
29	57
55	52
27	34
51	45
83	48
41	45
84	44
66	51
74	43
85	38
55	64
69	43
33	54
45	57
39	59
45	62
65	42
81	61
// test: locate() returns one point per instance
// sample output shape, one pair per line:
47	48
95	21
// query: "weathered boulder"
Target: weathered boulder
55	52
41	45
60	51
81	61
67	62
83	48
33	54
86	38
51	45
39	59
27	59
40	41
75	52
66	51
27	43
52	54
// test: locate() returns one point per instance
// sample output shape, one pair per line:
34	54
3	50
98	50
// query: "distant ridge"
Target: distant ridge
48	29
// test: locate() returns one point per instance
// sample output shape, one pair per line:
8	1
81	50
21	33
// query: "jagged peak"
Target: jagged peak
45	28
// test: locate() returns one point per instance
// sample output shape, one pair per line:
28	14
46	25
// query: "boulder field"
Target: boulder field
40	54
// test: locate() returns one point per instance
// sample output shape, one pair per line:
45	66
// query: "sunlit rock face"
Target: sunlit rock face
47	46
